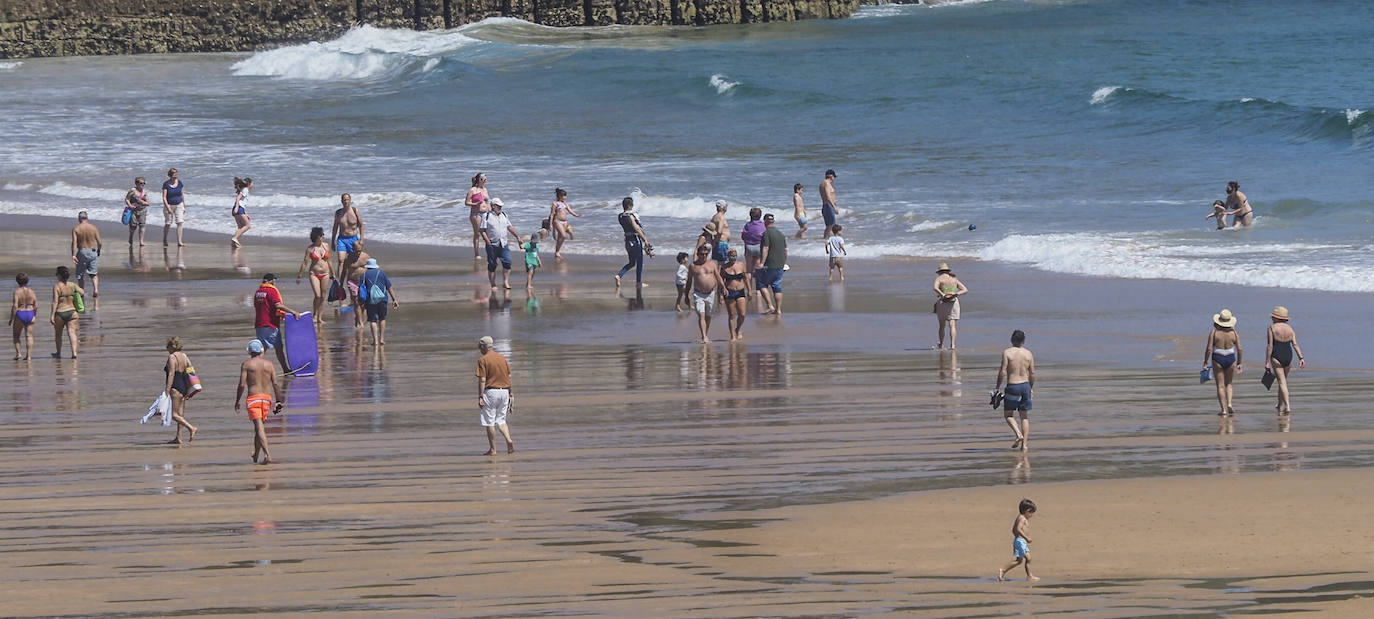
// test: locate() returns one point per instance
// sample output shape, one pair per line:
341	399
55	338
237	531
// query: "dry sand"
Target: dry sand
821	468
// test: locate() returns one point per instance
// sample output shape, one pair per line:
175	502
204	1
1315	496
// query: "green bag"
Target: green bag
78	300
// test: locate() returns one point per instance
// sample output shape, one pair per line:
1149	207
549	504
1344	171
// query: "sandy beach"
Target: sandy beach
827	466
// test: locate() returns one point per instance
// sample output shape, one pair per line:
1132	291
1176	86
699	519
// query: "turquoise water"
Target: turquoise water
1080	137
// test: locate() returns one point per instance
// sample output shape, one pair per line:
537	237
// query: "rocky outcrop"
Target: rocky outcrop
31	28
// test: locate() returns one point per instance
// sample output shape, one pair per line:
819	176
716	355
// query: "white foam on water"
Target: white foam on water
18	187
361	53
722	84
10	66
677	208
1101	95
1352	115
1119	257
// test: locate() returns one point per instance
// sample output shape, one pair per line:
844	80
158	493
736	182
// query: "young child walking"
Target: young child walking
681	282
531	247
1020	545
834	247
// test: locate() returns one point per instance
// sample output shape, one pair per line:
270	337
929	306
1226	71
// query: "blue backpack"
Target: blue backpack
371	294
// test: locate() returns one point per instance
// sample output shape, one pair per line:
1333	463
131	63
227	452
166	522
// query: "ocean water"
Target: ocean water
1083	137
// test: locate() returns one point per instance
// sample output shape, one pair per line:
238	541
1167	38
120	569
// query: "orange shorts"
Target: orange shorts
259	406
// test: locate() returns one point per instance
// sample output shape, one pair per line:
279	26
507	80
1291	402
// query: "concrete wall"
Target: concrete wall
31	28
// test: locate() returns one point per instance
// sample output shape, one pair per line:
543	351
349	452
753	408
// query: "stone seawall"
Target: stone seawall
30	28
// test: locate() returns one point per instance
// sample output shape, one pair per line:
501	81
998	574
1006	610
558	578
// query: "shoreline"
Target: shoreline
653	470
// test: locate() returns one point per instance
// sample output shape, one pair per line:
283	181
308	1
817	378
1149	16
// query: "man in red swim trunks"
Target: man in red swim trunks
256	375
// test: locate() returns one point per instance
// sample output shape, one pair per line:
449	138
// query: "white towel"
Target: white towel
161	406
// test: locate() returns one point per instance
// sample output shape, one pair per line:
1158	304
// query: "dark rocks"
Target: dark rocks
30	28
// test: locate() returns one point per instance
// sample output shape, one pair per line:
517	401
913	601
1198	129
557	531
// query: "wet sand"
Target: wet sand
823	467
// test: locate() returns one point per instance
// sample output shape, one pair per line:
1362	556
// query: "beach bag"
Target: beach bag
336	291
78	300
1268	379
375	294
1205	375
194	380
127	217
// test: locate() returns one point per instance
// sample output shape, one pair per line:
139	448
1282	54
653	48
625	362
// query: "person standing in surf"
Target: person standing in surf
949	289
321	270
256	375
348	228
136	200
635	243
828	206
268	309
1238	205
173	206
478	203
799	209
1223	356
558	221
240	210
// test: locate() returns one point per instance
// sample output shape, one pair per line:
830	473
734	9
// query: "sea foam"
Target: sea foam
1132	258
722	84
1101	95
361	53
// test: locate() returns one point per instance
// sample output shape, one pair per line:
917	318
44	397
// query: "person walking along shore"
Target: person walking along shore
1223	357
493	394
636	243
949	289
256	375
1281	349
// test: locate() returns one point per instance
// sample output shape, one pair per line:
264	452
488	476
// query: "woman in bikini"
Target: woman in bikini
178	370
736	293
240	209
558	221
23	308
1223	356
321	270
1279	353
64	314
478	203
1237	205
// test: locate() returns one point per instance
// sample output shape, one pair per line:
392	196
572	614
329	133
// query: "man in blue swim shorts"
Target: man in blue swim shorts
348	228
828	208
86	252
1018	368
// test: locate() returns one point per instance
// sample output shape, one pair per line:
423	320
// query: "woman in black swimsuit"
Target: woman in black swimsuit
178	388
1278	357
736	293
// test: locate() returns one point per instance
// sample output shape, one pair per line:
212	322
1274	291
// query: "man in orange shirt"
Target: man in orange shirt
493	394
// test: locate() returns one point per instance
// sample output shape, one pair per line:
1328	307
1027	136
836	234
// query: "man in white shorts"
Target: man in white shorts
707	282
493	394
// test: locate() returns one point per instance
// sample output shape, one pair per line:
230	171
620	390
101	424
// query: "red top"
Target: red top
265	302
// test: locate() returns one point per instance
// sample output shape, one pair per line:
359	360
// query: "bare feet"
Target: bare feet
489	452
510	447
1001	575
193	435
617	280
266	461
235	243
1016	444
1033	579
175	441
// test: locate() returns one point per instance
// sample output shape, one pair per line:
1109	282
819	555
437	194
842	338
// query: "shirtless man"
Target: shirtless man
828	206
348	229
722	231
352	271
86	252
1018	368
799	208
707	283
256	375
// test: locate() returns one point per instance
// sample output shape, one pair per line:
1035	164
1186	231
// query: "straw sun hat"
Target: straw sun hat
942	268
1225	319
1280	312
